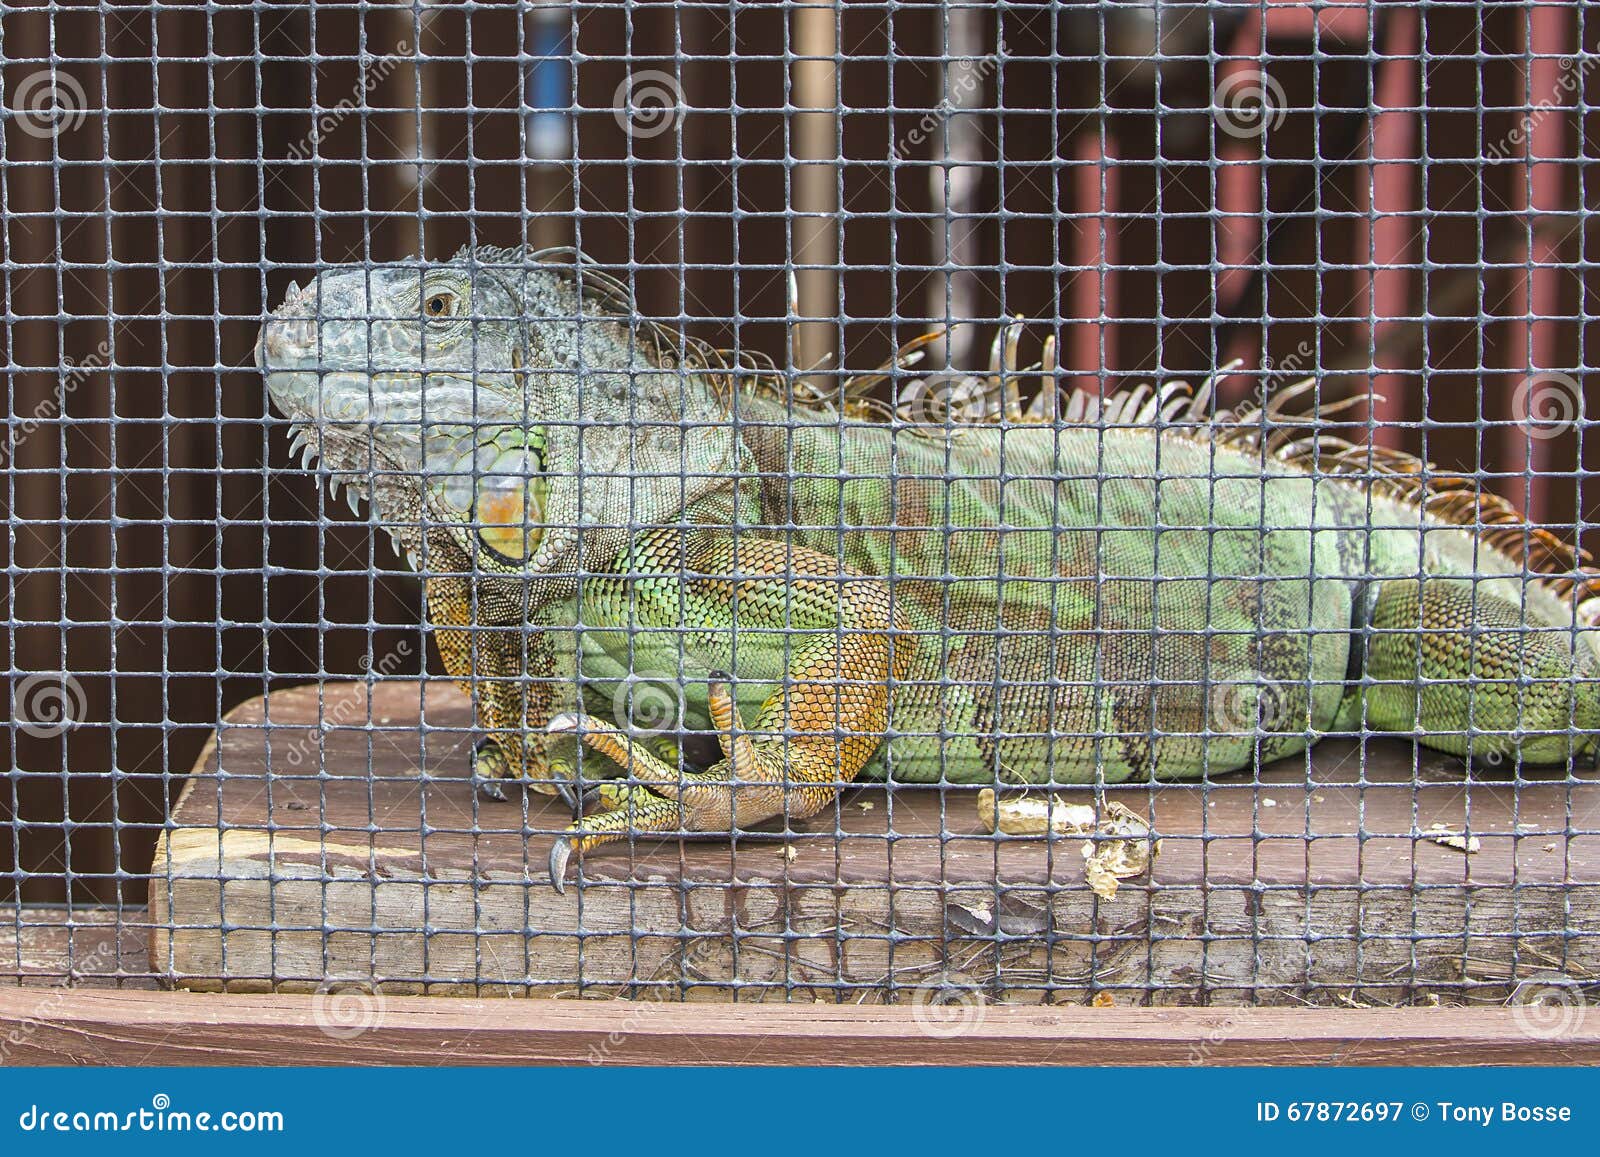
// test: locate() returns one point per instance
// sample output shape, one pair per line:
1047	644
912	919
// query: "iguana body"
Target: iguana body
1118	592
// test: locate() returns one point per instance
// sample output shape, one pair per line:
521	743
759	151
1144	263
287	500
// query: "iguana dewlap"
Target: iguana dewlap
1080	593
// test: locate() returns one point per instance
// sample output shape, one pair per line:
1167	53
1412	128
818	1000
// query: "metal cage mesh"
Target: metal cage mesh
1387	199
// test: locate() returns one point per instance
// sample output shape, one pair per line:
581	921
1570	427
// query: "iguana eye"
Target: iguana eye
440	305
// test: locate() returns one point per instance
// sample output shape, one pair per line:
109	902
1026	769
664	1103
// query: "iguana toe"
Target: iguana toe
560	853
489	769
570	797
634	811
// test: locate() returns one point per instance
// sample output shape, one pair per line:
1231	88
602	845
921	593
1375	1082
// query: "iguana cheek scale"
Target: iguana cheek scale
1077	591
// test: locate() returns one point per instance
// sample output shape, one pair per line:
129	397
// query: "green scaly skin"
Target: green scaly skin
599	509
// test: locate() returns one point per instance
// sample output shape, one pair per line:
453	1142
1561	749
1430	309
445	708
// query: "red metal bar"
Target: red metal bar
1335	19
1239	200
1532	340
1387	239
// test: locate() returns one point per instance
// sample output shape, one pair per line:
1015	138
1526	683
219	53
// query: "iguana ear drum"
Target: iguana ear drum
508	513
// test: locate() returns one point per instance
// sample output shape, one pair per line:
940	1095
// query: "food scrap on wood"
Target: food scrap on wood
1119	847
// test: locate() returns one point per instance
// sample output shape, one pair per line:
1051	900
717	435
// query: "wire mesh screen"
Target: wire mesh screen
849	502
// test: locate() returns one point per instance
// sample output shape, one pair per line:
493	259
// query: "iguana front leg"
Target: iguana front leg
509	673
814	732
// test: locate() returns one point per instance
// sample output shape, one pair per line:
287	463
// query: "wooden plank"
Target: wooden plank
184	1028
333	835
86	947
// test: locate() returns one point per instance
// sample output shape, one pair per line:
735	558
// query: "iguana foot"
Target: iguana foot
628	808
751	784
639	811
490	769
493	769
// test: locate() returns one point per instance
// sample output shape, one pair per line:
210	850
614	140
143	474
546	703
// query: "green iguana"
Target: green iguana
1075	591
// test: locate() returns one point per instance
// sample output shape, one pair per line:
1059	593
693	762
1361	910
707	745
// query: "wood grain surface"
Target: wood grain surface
332	835
186	1028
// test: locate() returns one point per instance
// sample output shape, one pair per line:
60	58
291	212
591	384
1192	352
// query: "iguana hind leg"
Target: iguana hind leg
1471	673
813	734
757	780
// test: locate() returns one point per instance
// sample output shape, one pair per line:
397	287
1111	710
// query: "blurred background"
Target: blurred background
1390	195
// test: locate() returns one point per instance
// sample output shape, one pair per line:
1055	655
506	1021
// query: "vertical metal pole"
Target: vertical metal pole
1091	349
1388	238
1536	288
953	180
548	95
1241	197
815	190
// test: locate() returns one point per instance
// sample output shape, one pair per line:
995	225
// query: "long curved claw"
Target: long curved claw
624	803
563	724
560	854
565	785
490	789
639	812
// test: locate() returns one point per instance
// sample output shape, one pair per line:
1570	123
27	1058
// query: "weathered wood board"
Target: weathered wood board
84	946
180	1028
330	836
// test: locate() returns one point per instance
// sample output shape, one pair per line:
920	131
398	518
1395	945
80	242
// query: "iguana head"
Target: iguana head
508	400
